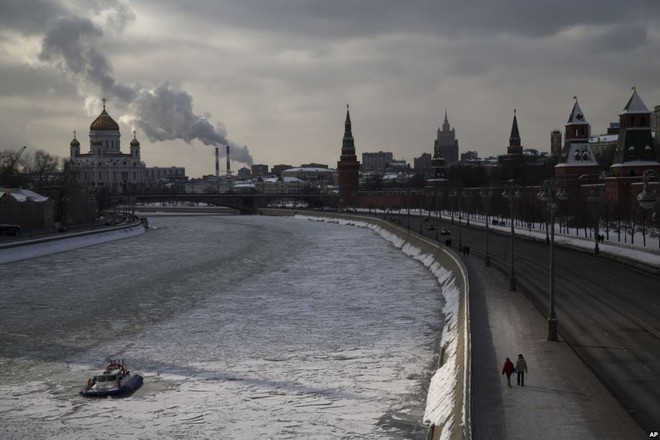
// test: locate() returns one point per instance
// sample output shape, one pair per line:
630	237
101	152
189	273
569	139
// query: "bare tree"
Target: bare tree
42	168
12	171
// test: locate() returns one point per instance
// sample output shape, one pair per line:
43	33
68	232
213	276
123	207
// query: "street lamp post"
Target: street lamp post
408	208
512	191
421	218
486	193
648	199
30	200
458	193
549	192
594	199
435	206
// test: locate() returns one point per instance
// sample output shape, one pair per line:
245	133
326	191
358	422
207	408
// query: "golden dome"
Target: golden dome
104	123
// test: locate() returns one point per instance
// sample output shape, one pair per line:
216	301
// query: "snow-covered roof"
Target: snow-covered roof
604	138
636	163
286	179
635	105
23	195
308	170
578	154
576	116
244	185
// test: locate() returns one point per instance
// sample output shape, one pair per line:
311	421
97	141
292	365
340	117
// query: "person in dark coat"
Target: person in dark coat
521	370
508	369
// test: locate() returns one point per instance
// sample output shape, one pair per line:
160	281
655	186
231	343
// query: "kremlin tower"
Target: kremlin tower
348	167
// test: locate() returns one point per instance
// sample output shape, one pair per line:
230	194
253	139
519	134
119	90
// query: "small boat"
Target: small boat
114	381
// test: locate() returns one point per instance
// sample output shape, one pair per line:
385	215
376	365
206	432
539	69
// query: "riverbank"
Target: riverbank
447	412
17	250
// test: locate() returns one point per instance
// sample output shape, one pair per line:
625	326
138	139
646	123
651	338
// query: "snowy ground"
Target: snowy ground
244	327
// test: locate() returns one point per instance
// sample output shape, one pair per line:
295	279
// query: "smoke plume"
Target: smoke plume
73	45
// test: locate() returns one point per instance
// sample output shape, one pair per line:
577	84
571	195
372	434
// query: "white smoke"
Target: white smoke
73	46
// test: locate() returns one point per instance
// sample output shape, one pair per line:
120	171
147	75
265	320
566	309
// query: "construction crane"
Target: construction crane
17	155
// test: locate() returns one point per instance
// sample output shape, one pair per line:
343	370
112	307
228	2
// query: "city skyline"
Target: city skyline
274	79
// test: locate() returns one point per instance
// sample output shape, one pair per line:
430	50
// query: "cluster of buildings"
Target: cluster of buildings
610	164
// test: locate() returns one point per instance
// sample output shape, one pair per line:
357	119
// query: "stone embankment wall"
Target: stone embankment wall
449	396
24	249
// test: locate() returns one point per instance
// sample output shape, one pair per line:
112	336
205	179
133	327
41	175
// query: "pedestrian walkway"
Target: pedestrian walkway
561	399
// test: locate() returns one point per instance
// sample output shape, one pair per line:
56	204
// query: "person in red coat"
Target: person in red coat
508	369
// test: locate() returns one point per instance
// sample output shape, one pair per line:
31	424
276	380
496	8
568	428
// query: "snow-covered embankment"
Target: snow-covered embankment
448	400
24	249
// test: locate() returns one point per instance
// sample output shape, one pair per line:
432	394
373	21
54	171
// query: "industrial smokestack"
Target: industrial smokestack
217	162
228	168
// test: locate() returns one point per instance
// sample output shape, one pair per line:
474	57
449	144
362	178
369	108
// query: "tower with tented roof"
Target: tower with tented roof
635	151
577	158
348	167
514	160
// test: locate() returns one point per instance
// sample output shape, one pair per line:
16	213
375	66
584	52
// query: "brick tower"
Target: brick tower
348	167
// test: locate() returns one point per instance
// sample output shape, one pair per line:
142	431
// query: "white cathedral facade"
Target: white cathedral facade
105	165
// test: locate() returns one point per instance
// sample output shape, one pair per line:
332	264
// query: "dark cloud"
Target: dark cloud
345	19
618	39
28	16
288	67
73	44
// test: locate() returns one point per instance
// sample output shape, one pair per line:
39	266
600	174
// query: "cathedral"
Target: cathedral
105	165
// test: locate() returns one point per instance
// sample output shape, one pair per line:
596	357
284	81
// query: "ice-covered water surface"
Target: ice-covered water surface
244	327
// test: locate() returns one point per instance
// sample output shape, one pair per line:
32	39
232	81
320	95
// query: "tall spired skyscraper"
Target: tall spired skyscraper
446	145
348	167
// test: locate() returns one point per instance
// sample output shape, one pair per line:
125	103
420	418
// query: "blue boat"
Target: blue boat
114	381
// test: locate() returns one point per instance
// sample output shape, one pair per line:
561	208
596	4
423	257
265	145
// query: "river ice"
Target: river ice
244	327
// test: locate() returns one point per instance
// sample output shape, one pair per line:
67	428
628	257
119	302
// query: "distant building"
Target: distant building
280	185
208	184
376	162
26	208
614	128
259	170
277	169
348	167
310	174
397	166
105	165
422	164
445	144
314	165
244	173
168	174
469	156
555	143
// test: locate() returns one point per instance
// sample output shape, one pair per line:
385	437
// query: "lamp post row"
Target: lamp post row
551	191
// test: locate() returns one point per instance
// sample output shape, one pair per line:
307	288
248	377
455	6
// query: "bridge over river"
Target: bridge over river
244	203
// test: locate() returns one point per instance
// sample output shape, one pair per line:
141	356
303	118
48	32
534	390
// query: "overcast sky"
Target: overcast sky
273	77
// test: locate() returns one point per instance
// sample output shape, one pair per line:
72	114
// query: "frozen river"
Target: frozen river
244	327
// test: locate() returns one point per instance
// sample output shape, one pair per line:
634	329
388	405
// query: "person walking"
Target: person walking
521	370
508	369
